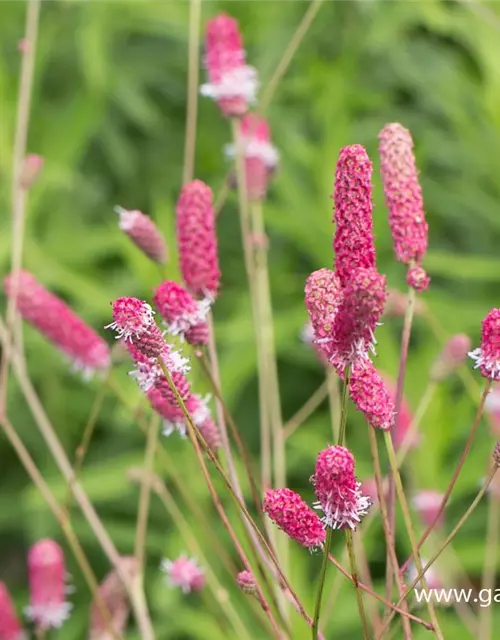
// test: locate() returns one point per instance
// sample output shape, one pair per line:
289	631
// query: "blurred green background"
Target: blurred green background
108	116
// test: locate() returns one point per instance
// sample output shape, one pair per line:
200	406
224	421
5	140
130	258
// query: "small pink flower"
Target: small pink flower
323	297
197	240
58	323
403	194
32	166
10	626
148	370
371	396
353	242
291	514
144	234
179	310
451	357
427	504
211	434
232	83
261	157
417	278
114	597
246	582
198	335
185	573
487	356
164	401
46	571
337	489
132	317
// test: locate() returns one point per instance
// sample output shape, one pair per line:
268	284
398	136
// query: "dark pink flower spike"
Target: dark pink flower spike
180	311
58	323
323	297
131	318
371	396
337	489
353	241
184	573
46	571
403	194
10	626
197	240
231	82
487	356
261	157
417	278
144	234
291	514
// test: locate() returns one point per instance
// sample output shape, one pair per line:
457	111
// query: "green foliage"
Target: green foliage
108	115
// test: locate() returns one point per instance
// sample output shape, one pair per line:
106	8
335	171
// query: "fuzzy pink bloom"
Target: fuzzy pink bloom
131	318
487	356
185	573
144	234
246	582
231	82
417	278
32	166
402	425
197	240
451	357
261	157
46	571
323	296
353	333
164	401
371	396
353	242
10	627
337	489
114	597
198	335
180	311
58	323
427	504
403	194
147	369
211	434
291	514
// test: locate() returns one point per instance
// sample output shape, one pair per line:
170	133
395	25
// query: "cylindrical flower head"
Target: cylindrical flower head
261	157
353	242
246	582
185	573
232	83
293	516
417	278
323	296
32	166
371	397
403	194
362	306
487	356
451	357
58	323
179	310
211	434
198	335
46	571
114	597
427	504
197	240
10	626
132	317
164	401
144	234
337	489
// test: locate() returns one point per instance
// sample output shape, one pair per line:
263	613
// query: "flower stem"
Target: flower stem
490	565
343	405
193	82
321	584
306	410
332	382
359	595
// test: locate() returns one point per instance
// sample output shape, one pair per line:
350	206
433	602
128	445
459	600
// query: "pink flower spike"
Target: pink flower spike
185	573
453	355
487	356
246	582
164	401
261	157
198	335
197	240
417	278
323	297
48	607
58	323
337	489
353	242
231	82
370	395
32	166
144	234
10	626
132	317
179	310
403	194
291	514
427	504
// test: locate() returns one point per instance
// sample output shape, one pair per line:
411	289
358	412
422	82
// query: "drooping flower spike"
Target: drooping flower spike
487	356
184	573
47	573
338	490
144	234
54	319
231	82
10	625
197	240
181	313
291	514
371	396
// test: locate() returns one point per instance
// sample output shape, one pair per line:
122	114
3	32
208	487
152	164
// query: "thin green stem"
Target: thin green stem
423	405
321	584
193	82
306	410
354	574
490	565
332	381
343	406
409	526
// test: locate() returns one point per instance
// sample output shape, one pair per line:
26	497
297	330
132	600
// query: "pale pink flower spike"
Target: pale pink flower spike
185	573
10	626
144	234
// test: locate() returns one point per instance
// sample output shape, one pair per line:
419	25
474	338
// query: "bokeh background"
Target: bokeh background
108	116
